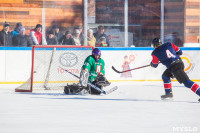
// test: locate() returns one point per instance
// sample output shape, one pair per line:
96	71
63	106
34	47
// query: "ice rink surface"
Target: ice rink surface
133	108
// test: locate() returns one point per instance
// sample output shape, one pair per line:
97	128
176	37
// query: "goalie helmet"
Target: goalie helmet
96	51
156	42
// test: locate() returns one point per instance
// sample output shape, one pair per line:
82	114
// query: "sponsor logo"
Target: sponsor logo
68	59
188	63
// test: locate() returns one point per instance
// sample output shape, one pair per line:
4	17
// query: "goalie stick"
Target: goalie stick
94	86
129	69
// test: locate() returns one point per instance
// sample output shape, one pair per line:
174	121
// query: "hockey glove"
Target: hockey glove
84	78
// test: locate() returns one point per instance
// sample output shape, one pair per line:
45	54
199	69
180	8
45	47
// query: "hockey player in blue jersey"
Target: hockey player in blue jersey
169	55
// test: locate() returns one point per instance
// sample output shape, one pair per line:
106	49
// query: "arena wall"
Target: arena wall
15	66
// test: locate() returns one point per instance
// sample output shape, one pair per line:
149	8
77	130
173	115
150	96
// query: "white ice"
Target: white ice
133	108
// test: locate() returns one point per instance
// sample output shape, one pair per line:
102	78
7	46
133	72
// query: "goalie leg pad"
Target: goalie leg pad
73	89
94	91
66	90
84	78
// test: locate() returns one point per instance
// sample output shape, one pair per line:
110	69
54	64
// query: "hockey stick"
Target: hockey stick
94	86
129	69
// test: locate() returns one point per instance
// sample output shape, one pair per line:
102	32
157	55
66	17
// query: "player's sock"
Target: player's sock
198	91
167	84
193	86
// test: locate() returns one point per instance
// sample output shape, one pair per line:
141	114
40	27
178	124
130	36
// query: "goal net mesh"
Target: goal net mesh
49	64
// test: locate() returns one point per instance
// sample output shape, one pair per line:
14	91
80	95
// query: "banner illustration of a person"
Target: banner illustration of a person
125	66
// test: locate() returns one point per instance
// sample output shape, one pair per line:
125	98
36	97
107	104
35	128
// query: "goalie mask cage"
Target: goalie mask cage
48	64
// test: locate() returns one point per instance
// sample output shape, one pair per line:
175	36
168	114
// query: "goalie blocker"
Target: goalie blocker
100	82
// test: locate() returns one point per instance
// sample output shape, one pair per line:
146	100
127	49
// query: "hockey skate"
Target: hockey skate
167	96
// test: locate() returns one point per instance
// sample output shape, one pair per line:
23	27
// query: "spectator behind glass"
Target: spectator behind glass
22	40
76	37
5	36
16	30
100	33
176	40
81	37
91	40
102	42
51	39
67	39
36	35
56	31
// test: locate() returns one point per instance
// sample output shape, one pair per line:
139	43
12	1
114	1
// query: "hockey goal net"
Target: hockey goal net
49	64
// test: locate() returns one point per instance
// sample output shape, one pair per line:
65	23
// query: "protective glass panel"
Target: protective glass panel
127	23
61	20
192	23
106	19
18	17
174	22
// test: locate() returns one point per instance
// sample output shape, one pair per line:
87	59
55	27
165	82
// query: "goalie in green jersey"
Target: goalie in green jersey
93	70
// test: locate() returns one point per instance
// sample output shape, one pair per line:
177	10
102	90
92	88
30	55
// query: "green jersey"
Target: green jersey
94	68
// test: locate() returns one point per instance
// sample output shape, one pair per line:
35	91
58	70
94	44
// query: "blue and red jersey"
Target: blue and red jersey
166	54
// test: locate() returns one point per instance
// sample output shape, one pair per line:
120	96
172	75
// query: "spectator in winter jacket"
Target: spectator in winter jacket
56	31
100	33
5	36
51	39
81	37
36	35
91	40
67	39
22	40
16	30
76	37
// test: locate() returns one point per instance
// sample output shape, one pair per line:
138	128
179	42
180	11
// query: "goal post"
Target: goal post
48	64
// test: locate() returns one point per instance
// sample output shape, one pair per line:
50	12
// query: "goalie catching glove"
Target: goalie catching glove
84	77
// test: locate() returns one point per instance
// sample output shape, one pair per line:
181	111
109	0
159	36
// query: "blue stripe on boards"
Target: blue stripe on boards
15	48
143	48
101	48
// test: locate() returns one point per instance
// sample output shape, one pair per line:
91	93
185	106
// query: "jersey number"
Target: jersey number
169	54
98	69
